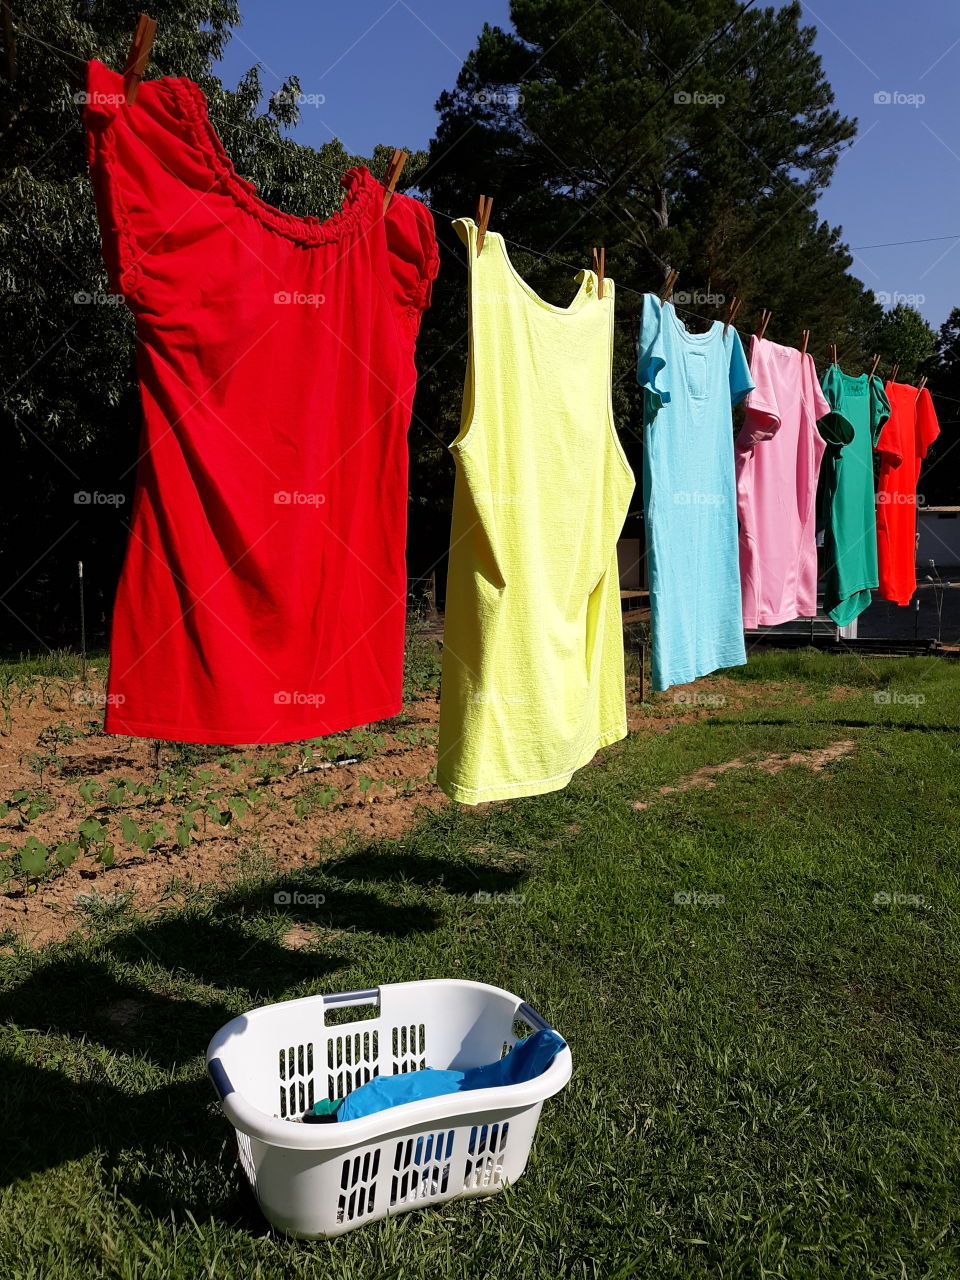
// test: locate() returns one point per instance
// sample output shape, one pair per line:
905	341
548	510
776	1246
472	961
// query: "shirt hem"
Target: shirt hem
845	599
121	726
531	787
739	661
776	620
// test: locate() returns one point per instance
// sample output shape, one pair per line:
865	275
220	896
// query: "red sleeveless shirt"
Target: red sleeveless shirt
262	597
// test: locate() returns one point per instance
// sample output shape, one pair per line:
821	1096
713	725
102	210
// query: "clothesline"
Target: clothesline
515	244
550	257
893	244
22	31
621	288
562	262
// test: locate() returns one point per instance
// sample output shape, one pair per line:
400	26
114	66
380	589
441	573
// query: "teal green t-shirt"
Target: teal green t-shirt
858	410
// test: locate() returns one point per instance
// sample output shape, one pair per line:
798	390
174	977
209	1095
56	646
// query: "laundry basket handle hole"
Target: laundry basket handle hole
350	1006
339	1015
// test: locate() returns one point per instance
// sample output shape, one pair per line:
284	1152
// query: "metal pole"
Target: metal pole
83	627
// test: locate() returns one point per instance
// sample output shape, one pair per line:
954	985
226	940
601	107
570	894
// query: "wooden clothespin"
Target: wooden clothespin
764	321
833	353
731	313
893	373
484	205
138	57
667	290
873	367
392	176
920	385
805	338
598	257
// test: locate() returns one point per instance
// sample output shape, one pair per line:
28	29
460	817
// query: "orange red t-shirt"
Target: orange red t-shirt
263	593
907	435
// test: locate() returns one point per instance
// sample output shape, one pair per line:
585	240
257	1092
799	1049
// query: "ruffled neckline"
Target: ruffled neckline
360	186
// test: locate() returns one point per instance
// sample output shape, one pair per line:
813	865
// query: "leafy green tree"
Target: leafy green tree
903	337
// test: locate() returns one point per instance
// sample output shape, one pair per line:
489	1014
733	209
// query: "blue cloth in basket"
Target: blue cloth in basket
527	1059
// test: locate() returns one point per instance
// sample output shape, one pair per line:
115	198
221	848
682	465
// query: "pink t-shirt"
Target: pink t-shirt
778	453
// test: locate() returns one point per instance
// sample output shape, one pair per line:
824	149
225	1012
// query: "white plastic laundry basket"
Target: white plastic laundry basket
324	1179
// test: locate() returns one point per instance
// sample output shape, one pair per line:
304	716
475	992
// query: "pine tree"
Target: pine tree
676	133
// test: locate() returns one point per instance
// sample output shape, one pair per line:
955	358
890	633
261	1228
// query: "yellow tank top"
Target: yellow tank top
532	678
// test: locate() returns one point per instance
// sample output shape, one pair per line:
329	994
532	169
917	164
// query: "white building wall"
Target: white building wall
939	539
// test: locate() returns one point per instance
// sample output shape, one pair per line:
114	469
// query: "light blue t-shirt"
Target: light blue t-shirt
691	381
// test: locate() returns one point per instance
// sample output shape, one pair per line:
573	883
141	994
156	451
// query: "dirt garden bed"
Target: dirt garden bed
88	818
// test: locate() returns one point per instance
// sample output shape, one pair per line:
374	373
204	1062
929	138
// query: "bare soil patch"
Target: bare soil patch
817	760
53	744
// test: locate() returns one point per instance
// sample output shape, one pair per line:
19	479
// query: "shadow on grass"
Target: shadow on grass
340	909
164	1148
829	722
82	997
459	877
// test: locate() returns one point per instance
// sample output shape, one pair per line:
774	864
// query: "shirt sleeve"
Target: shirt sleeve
879	409
741	383
813	395
652	372
762	416
414	257
890	443
835	427
147	177
928	428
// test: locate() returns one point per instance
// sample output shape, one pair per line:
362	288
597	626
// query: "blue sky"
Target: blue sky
380	65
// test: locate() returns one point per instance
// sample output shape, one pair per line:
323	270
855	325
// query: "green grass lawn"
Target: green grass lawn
765	1084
